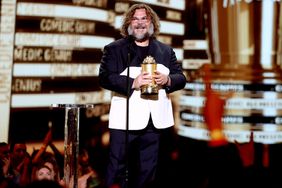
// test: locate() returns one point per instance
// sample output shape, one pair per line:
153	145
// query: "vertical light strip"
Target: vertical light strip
215	37
267	33
7	30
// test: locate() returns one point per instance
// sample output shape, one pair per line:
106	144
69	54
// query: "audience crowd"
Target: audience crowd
42	168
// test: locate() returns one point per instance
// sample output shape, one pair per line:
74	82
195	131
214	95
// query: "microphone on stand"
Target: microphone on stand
131	40
129	55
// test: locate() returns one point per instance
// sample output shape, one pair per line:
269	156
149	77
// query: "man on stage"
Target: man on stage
148	114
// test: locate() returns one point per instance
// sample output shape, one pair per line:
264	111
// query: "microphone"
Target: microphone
131	50
131	40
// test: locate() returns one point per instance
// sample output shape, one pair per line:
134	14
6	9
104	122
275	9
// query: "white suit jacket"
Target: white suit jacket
141	108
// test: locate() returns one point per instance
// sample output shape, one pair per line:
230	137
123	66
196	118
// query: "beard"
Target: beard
141	37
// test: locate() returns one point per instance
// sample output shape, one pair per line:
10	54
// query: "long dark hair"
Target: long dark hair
150	13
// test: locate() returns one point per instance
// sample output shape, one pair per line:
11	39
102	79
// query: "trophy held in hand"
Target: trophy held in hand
149	65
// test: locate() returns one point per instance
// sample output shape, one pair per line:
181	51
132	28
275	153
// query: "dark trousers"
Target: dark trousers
140	158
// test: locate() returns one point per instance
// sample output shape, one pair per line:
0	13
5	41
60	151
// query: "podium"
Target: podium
71	141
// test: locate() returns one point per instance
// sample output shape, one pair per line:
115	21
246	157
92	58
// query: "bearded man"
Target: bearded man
139	118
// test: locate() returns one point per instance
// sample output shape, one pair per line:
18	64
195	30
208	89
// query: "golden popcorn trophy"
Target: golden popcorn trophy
149	65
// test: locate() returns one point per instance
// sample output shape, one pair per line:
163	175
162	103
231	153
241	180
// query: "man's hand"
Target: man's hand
161	79
143	78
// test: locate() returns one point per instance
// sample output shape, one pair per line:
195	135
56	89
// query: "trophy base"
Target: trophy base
149	90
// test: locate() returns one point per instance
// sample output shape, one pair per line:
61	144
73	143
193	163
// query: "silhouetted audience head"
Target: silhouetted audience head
48	161
4	157
18	153
4	150
42	172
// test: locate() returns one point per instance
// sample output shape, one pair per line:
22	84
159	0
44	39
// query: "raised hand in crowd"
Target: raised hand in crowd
46	141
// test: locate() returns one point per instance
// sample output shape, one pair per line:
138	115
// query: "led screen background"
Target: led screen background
50	54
